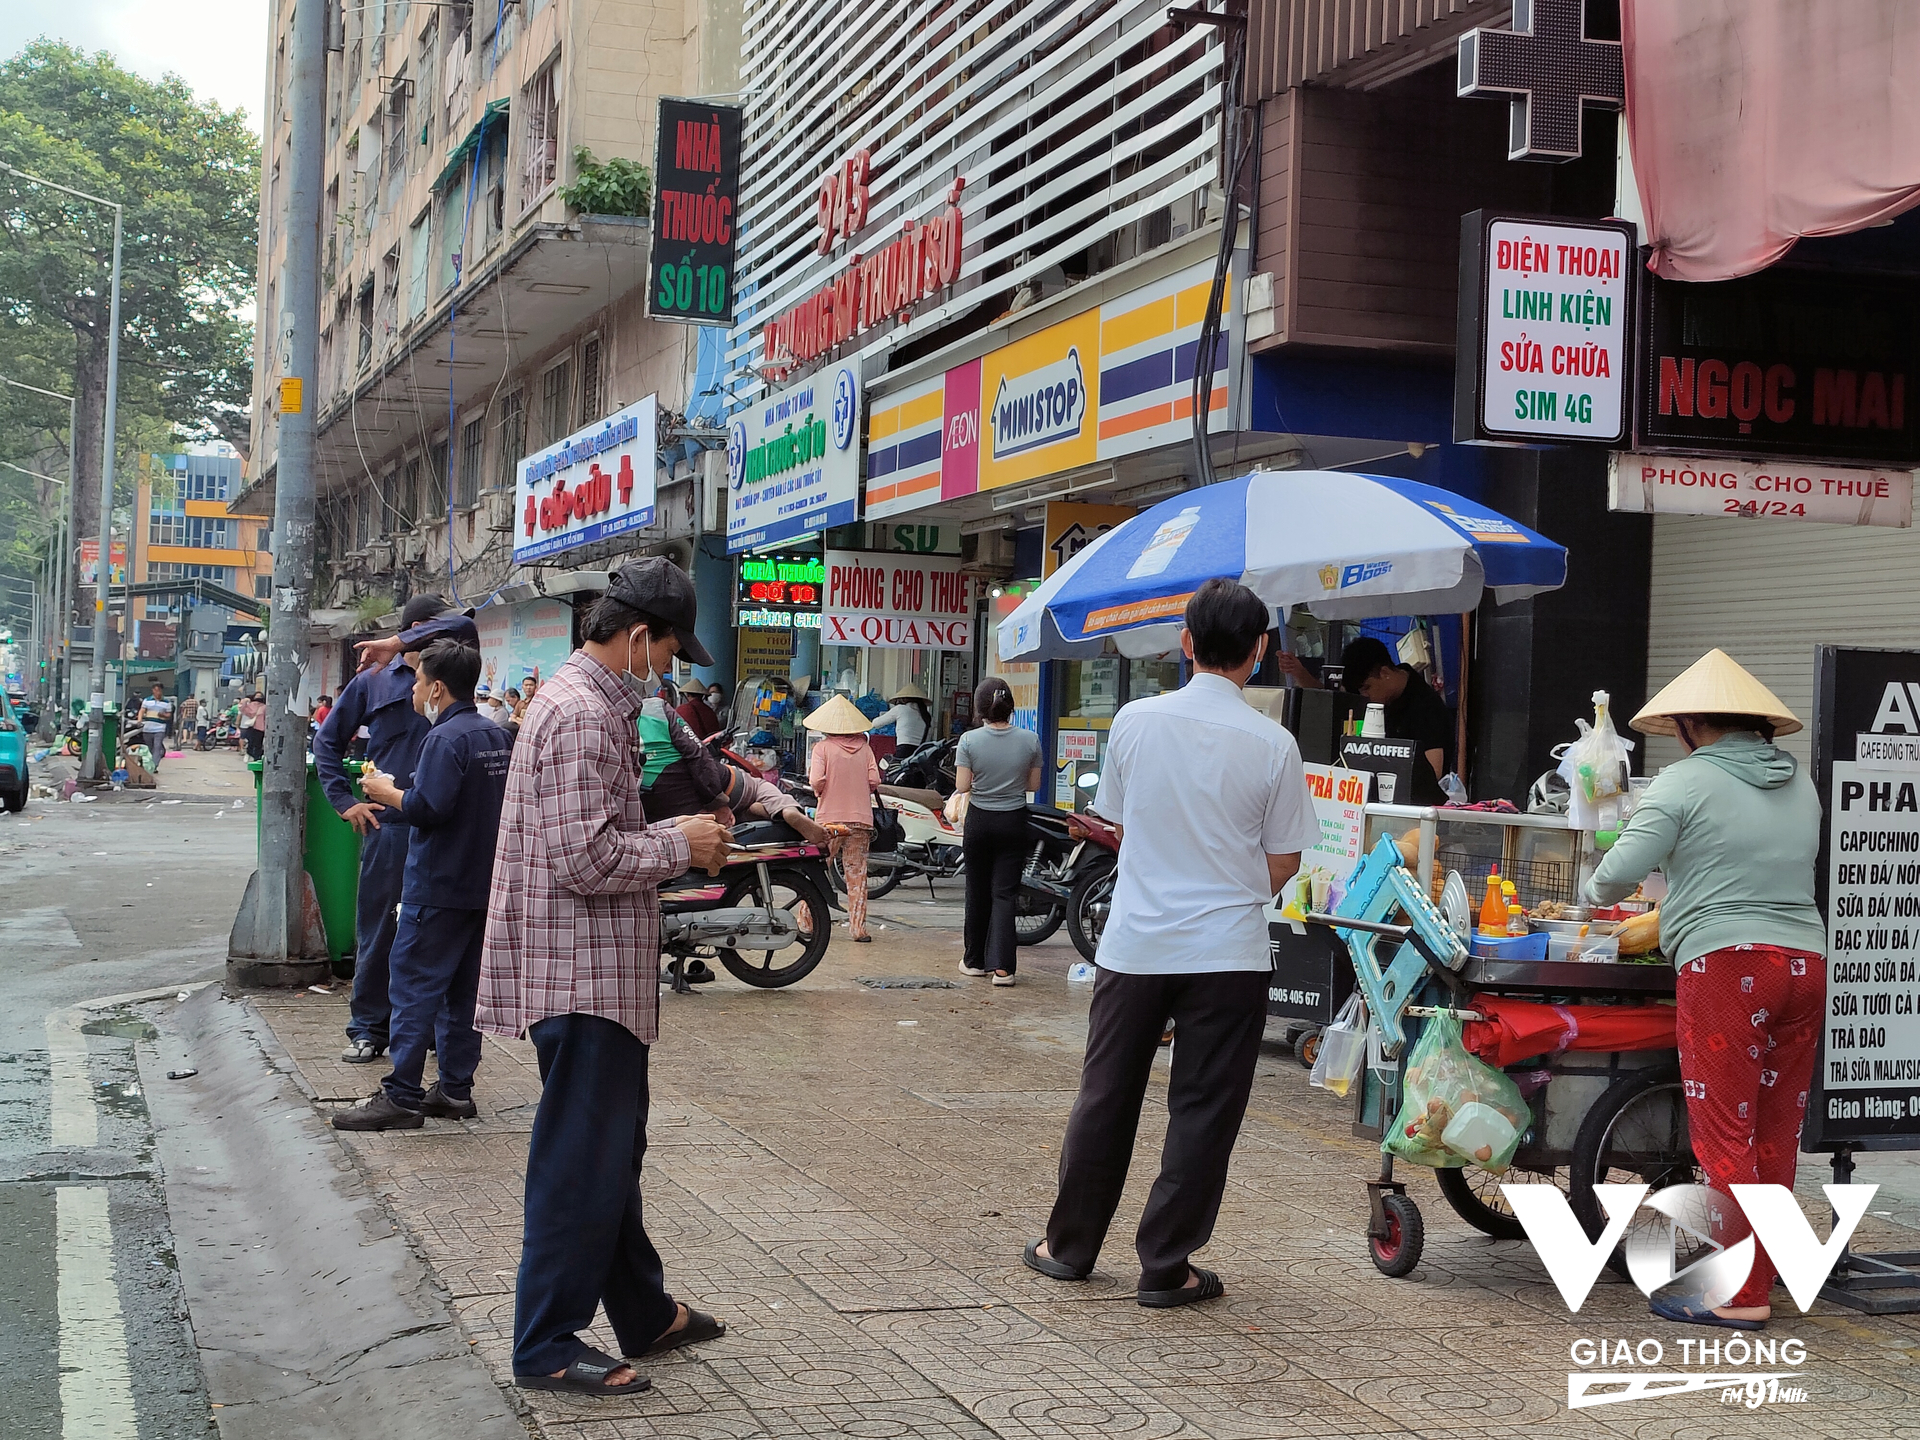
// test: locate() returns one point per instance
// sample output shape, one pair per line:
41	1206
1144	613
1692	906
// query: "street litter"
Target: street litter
80	799
181	1074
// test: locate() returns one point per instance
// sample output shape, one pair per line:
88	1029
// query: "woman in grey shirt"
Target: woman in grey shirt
998	767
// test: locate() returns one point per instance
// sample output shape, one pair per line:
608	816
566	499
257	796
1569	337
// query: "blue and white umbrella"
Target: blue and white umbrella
1347	546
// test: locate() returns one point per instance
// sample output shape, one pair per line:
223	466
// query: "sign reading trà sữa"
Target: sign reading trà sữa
1542	348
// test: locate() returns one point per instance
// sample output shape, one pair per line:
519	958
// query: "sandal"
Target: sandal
1682	1313
1048	1266
587	1375
1209	1288
699	1326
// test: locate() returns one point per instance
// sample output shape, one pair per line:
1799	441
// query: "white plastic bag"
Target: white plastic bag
1343	1049
1596	771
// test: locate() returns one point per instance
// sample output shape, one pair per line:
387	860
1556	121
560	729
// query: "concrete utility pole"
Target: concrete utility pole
273	942
63	573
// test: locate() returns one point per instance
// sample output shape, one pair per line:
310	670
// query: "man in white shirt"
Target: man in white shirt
156	714
1214	807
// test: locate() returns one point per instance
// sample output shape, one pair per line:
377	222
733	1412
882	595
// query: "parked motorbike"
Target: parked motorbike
767	904
928	766
928	847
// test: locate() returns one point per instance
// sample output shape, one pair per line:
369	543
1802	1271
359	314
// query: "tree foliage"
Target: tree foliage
617	187
187	172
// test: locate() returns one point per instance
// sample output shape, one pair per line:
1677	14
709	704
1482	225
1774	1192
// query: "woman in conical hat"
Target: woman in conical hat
844	775
1735	828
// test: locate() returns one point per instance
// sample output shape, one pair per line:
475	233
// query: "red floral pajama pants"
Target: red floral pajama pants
851	843
1749	1031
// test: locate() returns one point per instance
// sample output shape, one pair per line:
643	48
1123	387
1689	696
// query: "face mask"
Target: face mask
650	685
433	713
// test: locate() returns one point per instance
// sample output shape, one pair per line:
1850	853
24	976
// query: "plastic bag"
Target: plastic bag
1596	772
1457	1109
1343	1049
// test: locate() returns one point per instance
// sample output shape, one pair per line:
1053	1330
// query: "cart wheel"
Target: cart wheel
1398	1251
1636	1132
1307	1049
1477	1199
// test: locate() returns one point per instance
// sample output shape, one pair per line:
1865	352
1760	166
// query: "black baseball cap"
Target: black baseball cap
659	587
451	624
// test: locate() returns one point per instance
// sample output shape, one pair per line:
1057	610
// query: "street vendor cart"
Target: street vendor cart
1588	1046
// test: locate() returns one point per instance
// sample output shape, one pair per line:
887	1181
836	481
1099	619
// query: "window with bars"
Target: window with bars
363	507
473	444
513	439
433	505
390	293
343	341
406	499
556	394
540	163
365	351
592	397
397	123
263	587
167	527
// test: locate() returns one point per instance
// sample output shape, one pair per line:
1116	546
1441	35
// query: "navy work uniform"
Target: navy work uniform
452	810
382	700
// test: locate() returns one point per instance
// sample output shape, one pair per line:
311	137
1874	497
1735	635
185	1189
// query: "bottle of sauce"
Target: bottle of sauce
1493	909
1516	921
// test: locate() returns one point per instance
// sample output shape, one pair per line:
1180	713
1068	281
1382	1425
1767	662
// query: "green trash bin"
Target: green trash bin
331	857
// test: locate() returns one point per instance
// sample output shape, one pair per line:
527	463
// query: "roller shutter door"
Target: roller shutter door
1767	595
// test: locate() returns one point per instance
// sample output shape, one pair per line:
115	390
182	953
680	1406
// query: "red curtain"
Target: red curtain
1754	122
1516	1030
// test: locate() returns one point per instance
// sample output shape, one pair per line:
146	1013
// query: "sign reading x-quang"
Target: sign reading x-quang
1549	69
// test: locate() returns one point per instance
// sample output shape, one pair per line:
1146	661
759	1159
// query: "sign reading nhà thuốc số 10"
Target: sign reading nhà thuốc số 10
597	483
695	205
779	592
1544	326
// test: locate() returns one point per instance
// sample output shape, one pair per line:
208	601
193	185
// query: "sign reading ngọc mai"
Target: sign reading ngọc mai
597	483
907	602
1703	484
696	196
793	460
1544	321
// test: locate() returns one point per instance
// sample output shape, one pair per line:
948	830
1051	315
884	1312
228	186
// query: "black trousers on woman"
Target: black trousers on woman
995	845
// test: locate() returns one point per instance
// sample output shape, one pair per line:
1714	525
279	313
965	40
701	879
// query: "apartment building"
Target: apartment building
469	313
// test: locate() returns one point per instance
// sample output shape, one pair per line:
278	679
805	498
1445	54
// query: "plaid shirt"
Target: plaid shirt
573	919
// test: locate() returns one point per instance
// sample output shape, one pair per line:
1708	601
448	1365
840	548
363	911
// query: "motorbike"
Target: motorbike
767	904
928	847
1090	896
928	766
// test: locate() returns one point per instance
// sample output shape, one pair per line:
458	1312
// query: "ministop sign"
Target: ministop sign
1542	352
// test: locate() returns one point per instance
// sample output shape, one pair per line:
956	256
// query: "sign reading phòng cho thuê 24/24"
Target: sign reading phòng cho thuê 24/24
1542	350
595	484
793	460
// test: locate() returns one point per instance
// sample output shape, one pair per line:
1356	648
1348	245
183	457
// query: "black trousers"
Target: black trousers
585	1243
995	846
1219	1017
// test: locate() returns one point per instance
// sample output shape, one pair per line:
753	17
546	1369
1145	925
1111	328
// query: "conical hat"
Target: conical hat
908	691
1715	684
839	716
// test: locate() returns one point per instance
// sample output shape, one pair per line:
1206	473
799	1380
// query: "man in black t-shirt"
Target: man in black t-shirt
1414	712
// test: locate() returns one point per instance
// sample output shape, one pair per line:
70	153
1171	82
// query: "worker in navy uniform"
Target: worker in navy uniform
380	697
452	810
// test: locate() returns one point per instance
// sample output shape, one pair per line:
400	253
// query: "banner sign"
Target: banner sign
90	563
793	466
908	602
1782	363
593	485
1704	484
1106	383
696	172
516	640
1866	758
1542	340
1070	527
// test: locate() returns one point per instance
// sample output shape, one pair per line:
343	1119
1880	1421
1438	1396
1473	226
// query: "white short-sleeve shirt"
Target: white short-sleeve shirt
1206	788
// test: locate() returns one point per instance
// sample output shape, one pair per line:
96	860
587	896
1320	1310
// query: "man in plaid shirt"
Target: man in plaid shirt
572	960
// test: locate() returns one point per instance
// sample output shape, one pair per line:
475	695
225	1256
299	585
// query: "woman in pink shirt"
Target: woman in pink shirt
844	775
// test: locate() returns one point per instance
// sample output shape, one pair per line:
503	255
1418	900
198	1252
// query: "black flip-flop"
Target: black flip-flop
699	1327
1048	1266
1209	1288
587	1375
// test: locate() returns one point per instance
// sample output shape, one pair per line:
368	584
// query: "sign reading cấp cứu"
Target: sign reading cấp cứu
596	483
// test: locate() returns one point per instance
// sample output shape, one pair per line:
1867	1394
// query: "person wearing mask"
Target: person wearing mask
452	814
1414	712
998	766
253	724
717	702
156	714
379	700
1735	828
844	775
693	709
1212	800
911	717
571	960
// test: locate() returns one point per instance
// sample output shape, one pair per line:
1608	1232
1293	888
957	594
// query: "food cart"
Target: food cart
1597	1115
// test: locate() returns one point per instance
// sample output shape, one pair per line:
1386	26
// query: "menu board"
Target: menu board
1866	743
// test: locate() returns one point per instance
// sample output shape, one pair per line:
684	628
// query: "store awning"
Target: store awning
496	112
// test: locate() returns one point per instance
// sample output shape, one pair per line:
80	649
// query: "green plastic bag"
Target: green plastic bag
1457	1110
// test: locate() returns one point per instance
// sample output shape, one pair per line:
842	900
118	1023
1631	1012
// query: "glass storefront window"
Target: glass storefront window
1091	688
1151	677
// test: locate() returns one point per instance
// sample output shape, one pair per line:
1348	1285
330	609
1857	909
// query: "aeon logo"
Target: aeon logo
963	430
1692	1217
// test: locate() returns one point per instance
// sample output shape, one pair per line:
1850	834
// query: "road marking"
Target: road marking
96	1391
75	1123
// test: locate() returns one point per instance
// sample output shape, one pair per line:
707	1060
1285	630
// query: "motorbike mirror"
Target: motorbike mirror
1089	781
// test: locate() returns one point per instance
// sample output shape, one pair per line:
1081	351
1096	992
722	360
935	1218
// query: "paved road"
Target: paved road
100	899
